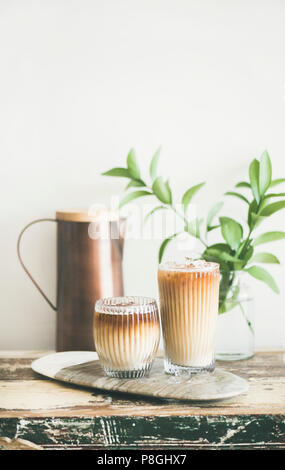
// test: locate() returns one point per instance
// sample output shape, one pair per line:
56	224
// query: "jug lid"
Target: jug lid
87	215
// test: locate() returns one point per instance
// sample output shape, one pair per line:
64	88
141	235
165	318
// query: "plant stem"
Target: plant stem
186	222
246	319
170	206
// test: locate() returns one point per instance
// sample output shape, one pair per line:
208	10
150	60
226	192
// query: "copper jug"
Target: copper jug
88	268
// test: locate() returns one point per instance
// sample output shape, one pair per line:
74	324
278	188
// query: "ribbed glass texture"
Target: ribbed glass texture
126	335
189	297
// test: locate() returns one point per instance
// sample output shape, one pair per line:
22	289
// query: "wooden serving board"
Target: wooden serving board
83	368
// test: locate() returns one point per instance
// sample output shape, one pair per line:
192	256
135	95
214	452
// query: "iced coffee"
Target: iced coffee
126	335
189	298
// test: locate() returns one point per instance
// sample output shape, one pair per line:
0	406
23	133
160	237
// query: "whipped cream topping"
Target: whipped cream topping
189	265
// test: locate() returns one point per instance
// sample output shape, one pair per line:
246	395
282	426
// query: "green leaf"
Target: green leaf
232	231
268	237
240	196
169	191
153	164
221	253
221	247
264	258
193	227
257	219
135	184
254	219
247	255
252	208
265	173
188	195
254	179
212	227
269	195
277	181
149	214
161	190
212	214
272	208
164	245
263	203
215	253
243	184
132	165
130	197
262	275
121	172
240	250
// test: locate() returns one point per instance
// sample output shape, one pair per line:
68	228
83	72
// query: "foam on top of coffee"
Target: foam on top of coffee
190	265
121	303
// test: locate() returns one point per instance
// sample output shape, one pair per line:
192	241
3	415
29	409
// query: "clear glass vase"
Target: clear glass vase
235	328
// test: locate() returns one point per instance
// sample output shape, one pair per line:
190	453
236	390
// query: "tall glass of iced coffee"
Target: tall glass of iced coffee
189	298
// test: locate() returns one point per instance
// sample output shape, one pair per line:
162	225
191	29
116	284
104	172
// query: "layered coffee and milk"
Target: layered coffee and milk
189	297
126	335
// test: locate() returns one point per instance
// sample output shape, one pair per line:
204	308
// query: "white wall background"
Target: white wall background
82	81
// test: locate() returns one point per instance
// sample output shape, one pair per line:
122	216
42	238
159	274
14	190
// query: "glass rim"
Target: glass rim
190	266
125	305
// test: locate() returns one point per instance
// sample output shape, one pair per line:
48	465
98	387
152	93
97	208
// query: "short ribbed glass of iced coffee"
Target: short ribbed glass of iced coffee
189	299
126	335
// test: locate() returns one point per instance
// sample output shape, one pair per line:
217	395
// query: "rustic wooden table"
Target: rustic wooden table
42	413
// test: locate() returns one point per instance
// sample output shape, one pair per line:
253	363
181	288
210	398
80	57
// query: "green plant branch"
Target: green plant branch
246	319
235	252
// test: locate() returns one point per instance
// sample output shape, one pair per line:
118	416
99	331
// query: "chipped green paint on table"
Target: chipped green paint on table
40	413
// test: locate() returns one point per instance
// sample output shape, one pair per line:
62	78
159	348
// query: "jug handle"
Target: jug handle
24	267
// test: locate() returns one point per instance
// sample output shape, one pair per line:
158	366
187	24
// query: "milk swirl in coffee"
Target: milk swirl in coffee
126	335
189	296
